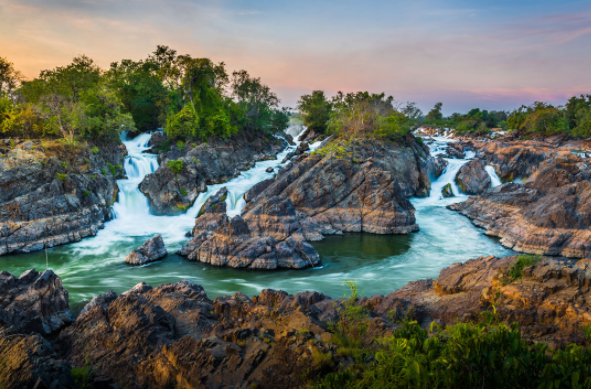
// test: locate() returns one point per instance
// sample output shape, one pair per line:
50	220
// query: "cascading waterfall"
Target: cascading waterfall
494	178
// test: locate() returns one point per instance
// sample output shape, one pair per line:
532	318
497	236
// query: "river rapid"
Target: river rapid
379	263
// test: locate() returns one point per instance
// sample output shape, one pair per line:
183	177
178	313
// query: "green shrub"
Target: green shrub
82	376
61	176
95	150
104	171
86	192
420	140
113	168
12	143
64	165
180	145
92	177
175	165
184	192
523	261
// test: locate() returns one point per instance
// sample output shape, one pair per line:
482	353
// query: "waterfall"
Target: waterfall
494	178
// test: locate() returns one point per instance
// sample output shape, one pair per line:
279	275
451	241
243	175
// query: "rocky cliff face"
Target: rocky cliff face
53	194
175	336
172	192
548	214
358	186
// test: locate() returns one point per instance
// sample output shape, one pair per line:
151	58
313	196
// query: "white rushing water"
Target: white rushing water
132	210
494	177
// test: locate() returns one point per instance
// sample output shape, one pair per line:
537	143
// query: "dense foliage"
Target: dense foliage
573	119
192	98
465	355
357	114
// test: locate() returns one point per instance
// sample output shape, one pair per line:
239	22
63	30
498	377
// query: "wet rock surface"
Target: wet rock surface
472	178
52	194
548	214
152	250
171	192
447	191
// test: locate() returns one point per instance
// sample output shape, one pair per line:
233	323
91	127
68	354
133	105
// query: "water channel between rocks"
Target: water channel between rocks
379	263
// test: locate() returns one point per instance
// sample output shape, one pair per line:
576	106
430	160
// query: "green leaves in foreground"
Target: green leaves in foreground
464	355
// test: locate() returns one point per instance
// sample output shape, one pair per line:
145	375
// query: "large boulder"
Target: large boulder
34	302
472	178
152	250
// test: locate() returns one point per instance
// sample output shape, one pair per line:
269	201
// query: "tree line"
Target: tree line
191	98
572	119
369	114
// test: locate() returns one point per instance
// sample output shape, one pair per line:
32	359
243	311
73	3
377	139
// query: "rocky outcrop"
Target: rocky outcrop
152	250
52	194
34	302
447	191
455	150
314	195
514	159
222	241
472	178
548	214
548	299
185	172
436	166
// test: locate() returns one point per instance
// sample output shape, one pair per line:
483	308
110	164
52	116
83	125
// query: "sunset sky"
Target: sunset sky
496	55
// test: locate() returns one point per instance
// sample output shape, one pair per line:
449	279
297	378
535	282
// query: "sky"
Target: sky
480	53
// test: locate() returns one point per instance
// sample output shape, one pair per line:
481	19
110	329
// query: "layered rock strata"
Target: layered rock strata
52	194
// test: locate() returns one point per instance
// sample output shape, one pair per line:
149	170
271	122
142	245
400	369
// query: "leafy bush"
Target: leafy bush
175	165
95	150
61	176
104	171
113	168
420	140
516	271
82	376
181	145
184	192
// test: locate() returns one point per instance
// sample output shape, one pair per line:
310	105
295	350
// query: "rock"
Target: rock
152	250
472	178
214	162
447	191
257	189
270	170
546	215
301	149
34	302
29	361
456	151
231	243
215	204
436	166
39	210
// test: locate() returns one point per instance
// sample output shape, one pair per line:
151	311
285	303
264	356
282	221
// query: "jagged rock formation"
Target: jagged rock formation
52	194
472	178
221	241
455	150
152	250
549	301
174	335
34	302
548	214
217	161
436	166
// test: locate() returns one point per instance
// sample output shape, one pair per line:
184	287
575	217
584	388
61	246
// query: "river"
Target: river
379	263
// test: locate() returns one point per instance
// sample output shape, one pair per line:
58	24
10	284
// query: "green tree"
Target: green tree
315	110
435	116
